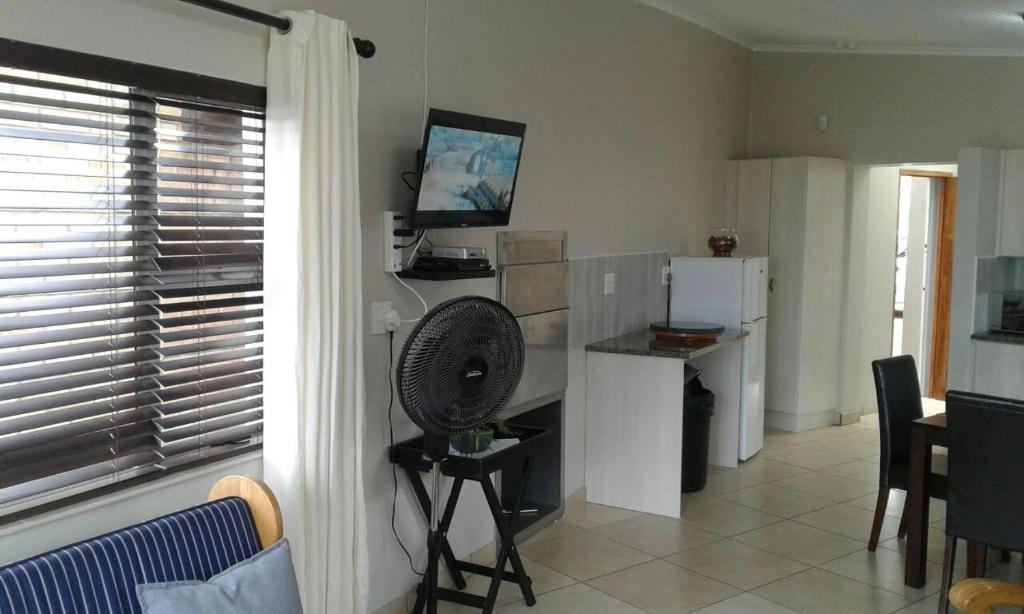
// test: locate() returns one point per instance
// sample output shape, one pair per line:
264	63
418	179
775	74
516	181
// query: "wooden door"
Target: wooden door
942	297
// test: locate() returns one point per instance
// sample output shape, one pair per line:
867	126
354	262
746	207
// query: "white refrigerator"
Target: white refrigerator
732	292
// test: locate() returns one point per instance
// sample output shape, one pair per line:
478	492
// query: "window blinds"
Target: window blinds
130	283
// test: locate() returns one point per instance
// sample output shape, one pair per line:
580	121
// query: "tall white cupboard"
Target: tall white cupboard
793	210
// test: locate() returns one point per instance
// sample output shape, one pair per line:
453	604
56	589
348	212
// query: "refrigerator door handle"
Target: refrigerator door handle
771	284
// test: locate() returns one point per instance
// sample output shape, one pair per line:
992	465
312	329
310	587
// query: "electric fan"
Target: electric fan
459	366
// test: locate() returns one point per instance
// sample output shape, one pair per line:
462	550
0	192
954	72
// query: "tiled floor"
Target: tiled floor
786	532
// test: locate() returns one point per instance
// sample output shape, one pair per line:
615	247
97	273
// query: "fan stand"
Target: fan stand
518	459
433	540
429	593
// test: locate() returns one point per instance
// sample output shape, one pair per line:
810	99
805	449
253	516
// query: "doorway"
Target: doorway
923	273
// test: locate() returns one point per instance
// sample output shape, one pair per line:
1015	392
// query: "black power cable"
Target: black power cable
391	434
413	242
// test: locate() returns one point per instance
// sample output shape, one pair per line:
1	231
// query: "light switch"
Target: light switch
609	283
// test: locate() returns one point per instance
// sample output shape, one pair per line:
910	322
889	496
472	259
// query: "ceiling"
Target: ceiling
954	27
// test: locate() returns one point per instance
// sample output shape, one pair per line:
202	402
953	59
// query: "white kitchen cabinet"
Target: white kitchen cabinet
797	211
998	368
1010	224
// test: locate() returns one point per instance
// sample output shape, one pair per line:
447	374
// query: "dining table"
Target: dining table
924	433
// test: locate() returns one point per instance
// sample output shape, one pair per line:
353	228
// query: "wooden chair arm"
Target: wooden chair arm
266	513
979	596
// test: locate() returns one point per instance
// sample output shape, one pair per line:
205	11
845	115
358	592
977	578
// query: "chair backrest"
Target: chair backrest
99	575
899	404
986	469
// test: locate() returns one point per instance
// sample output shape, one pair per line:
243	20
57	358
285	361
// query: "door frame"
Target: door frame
942	291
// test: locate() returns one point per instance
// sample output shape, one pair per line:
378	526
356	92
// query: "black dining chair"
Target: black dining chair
986	477
899	404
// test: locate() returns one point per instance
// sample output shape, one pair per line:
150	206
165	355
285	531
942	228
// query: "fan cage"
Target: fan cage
460	365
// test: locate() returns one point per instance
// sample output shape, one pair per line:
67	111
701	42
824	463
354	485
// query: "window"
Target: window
130	283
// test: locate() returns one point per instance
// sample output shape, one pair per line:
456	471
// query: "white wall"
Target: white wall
884	108
632	115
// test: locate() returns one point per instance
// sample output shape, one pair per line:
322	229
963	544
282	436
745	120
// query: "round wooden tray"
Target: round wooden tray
687	332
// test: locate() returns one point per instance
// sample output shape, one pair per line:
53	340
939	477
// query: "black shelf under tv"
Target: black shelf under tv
444	275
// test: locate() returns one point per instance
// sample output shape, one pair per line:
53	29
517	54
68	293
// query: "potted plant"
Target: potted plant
479	439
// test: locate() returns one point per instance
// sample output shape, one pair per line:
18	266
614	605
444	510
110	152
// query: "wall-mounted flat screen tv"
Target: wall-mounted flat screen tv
467	171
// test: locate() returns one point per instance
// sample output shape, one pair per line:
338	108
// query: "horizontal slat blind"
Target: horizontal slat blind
131	253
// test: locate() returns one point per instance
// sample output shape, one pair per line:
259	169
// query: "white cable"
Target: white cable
415	249
411	289
426	50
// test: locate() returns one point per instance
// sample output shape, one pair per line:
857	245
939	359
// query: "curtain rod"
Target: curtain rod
364	48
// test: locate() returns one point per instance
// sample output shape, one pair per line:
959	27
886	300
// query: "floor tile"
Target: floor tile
884	569
737	564
544	580
656	535
777	500
721	482
809	458
560	528
771	443
575	599
801	542
819	592
746	603
849	521
827	486
798	438
893	508
926	606
860	470
724	517
866	436
763	469
584	555
659	587
842	445
591	515
936	547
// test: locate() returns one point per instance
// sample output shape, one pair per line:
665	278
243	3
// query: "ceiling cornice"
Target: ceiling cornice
883	50
667	6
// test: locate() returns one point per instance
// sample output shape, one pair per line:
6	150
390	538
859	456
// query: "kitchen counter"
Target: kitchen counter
998	337
635	404
643	343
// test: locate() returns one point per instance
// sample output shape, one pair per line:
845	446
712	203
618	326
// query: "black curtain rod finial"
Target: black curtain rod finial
365	48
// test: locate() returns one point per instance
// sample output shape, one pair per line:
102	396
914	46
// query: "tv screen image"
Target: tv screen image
468	172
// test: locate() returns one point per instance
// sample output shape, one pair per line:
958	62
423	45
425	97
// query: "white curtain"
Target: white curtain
313	369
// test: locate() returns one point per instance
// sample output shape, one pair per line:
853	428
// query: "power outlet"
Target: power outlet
379	316
666	275
392	255
609	283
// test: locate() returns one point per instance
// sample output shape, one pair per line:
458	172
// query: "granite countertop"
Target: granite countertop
643	343
998	337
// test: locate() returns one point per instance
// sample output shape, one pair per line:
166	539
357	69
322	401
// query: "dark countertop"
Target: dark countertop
643	343
997	337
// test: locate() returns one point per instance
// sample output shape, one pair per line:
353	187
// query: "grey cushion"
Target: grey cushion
263	584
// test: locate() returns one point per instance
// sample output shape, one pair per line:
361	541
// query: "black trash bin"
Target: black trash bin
698	407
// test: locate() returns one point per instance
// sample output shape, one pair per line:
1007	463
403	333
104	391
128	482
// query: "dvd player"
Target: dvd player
463	253
433	263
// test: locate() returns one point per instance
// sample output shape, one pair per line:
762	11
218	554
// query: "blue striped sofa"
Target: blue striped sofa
98	576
